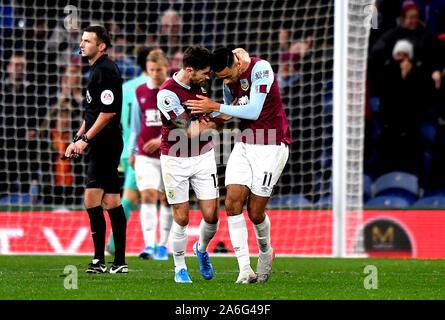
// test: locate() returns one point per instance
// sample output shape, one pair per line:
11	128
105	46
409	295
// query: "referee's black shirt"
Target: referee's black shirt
104	94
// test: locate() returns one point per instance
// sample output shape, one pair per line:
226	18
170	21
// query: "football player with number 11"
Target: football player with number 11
258	157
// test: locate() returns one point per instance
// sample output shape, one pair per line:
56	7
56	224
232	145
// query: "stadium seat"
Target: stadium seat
367	187
397	183
430	202
325	202
299	201
18	199
289	201
374	103
388	201
429	133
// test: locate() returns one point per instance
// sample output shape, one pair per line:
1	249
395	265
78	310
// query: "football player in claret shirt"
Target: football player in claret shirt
185	160
258	157
145	141
101	133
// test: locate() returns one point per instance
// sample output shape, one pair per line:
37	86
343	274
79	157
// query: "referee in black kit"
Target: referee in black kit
100	135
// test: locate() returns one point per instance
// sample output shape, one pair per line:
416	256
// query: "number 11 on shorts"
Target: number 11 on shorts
214	180
267	178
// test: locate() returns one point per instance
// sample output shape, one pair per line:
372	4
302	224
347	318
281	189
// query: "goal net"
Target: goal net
42	87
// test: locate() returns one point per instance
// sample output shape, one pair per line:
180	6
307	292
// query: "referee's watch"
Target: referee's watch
85	138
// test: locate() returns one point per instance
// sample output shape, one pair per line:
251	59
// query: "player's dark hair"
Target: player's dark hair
141	59
197	58
102	35
222	58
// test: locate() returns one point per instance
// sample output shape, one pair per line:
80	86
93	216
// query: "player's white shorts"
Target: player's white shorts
199	171
148	173
256	166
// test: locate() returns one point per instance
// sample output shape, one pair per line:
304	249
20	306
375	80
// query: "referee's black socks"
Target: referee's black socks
97	222
119	226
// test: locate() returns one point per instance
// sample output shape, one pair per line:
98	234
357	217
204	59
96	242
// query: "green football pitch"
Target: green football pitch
45	278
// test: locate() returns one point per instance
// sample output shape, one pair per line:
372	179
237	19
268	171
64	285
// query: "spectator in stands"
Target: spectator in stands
72	84
426	47
6	29
289	66
175	63
170	38
19	104
404	89
288	75
435	17
437	178
42	68
63	43
121	53
58	176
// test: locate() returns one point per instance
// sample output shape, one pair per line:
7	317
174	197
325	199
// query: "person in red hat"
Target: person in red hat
427	48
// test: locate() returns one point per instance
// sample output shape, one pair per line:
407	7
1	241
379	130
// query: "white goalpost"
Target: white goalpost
351	34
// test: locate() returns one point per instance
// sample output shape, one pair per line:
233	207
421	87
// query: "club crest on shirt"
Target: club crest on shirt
88	96
244	84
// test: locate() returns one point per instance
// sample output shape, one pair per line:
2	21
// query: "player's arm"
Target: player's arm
228	99
262	80
102	120
111	101
170	106
70	149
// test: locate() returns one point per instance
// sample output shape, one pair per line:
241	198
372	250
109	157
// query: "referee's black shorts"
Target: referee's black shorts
103	161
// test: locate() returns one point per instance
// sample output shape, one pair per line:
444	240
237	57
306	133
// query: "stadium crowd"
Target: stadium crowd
42	78
404	125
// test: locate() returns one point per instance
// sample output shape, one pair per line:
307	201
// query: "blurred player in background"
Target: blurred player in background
258	157
186	160
130	195
145	141
101	132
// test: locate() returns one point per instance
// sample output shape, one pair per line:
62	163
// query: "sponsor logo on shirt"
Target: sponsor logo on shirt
262	74
152	118
244	100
